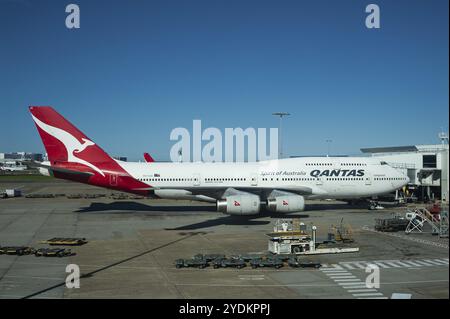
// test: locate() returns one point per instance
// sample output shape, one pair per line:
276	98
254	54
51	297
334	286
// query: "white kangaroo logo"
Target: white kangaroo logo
84	145
71	143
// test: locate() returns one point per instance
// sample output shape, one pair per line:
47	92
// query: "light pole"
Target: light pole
280	140
328	148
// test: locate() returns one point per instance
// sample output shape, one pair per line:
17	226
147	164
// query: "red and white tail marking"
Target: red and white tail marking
71	150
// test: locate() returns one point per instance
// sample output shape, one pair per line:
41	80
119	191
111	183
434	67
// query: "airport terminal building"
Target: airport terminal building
20	156
425	165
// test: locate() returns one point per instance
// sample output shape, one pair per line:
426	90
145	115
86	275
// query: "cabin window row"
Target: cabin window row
232	179
330	164
345	179
290	179
165	179
390	178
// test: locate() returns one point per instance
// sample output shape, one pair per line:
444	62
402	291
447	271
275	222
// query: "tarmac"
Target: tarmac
133	244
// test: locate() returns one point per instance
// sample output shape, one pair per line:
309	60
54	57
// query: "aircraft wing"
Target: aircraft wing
263	192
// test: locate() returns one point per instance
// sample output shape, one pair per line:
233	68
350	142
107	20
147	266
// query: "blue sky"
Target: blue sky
137	69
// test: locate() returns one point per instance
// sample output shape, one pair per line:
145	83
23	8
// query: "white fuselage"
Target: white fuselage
313	177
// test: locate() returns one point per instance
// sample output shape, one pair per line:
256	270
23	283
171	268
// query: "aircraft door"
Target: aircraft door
368	179
333	185
254	179
196	179
319	181
113	179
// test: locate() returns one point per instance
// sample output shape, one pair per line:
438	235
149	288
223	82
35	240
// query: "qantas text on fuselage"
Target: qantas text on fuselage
280	185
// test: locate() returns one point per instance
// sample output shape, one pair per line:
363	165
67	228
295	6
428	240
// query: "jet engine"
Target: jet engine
286	203
247	204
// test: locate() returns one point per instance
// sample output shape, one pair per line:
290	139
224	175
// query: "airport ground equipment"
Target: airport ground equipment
40	196
248	257
65	241
266	262
283	258
13	192
293	262
86	196
373	205
238	261
194	262
289	236
92	196
208	257
16	250
434	208
229	262
418	218
342	233
74	196
299	242
53	252
310	264
395	223
443	231
119	196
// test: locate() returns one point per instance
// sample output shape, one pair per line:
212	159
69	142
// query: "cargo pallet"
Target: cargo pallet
65	241
393	224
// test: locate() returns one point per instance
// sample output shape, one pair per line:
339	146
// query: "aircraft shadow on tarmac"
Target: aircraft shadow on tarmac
332	206
127	206
130	206
120	207
238	220
342	205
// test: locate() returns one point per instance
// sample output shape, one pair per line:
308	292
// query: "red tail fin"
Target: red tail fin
71	152
65	143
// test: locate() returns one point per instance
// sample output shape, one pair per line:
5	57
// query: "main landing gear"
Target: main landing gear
374	205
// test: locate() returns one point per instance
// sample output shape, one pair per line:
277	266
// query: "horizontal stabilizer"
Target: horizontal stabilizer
58	169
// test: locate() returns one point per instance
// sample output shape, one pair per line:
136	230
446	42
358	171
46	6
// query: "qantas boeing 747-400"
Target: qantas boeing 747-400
238	188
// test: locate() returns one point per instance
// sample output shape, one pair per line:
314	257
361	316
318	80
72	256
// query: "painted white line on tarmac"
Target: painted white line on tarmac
368	294
362	290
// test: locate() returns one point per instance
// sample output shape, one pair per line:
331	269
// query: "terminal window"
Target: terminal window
429	161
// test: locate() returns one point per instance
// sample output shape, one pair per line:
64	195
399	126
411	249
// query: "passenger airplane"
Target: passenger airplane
237	188
12	166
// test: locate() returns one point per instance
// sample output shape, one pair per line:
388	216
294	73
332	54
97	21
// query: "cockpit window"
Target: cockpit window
383	163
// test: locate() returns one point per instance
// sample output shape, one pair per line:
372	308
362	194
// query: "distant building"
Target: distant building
37	157
21	156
